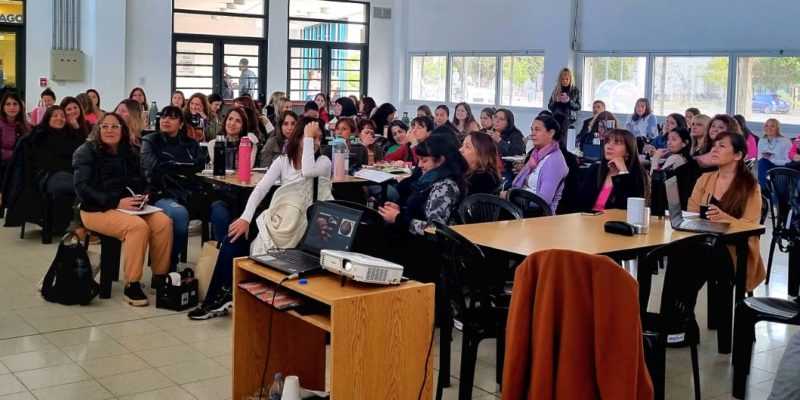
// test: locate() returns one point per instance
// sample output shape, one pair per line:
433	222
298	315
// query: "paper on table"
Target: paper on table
148	209
374	176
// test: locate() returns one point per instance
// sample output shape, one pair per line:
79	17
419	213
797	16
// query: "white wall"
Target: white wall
148	49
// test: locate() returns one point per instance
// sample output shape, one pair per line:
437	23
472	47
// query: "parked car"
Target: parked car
770	103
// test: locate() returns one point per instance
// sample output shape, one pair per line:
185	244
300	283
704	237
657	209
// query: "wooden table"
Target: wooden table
379	336
585	233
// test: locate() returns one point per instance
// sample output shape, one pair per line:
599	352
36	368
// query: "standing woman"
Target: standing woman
620	175
276	143
13	125
773	150
733	195
546	169
90	111
383	116
480	152
107	168
464	121
131	113
487	114
508	138
566	97
178	99
642	123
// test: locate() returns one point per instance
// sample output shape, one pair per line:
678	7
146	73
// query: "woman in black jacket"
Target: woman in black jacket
50	158
620	175
509	140
111	188
566	97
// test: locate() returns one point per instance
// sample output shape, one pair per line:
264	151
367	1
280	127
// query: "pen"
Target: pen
131	191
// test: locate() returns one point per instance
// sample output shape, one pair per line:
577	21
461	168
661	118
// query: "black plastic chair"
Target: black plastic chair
782	183
487	208
472	294
687	270
765	207
748	313
532	205
56	212
110	251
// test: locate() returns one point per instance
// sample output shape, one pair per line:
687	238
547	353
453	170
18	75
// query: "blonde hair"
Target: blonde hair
136	124
557	89
705	142
275	96
777	126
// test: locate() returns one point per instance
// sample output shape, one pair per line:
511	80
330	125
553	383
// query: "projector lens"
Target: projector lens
348	265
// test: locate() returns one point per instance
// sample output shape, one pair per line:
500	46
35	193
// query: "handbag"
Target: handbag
205	267
69	279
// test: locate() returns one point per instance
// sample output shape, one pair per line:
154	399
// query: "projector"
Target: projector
361	267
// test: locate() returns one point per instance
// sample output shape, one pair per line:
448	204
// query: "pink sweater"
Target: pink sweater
793	149
752	147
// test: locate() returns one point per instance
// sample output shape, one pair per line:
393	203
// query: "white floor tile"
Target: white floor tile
212	389
52	376
171	393
35	360
135	382
170	355
76	336
193	371
10	384
114	365
85	390
92	350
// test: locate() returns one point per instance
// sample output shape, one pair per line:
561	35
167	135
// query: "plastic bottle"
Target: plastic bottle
596	139
244	159
405	118
276	389
219	155
153	114
340	158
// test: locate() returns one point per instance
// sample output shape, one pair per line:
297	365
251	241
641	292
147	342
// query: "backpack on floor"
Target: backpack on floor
69	280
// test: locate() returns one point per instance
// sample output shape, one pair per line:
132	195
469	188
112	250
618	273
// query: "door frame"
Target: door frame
325	72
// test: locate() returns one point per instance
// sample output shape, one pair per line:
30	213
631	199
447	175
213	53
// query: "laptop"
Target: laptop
676	215
592	153
331	226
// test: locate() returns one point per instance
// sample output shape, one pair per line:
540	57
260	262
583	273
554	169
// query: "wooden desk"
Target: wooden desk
380	337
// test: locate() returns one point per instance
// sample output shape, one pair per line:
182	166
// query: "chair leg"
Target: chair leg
469	356
794	271
743	349
695	372
769	259
110	249
501	349
724	317
22	231
47	220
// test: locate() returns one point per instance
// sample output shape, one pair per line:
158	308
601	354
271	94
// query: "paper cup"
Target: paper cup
291	388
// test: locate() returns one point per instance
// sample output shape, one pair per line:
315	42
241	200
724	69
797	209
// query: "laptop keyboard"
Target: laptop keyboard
298	258
688	224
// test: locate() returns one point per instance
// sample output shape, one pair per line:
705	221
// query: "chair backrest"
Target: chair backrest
371	234
464	266
765	206
690	263
483	207
781	181
532	205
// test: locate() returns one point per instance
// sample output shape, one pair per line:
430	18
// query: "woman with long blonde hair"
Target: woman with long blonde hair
566	97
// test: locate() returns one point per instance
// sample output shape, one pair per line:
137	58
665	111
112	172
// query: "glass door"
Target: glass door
305	72
333	68
345	73
228	67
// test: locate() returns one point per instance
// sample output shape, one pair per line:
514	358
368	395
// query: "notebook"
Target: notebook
688	225
331	226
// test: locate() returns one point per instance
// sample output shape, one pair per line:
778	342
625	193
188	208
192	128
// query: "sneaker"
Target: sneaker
214	307
134	295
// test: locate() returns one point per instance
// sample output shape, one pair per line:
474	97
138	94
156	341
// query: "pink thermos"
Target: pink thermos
244	160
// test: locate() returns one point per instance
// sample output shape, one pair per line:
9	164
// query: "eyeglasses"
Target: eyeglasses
112	127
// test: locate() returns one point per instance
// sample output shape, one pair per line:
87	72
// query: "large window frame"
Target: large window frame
219	41
329	47
498	100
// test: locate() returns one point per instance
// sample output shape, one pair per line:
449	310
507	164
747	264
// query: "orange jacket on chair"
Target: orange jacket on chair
574	331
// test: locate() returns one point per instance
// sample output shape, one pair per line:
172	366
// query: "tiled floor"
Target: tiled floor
111	350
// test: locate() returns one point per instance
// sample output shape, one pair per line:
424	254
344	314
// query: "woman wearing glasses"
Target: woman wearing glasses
108	181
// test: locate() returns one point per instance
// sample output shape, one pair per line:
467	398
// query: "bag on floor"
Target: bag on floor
205	267
69	280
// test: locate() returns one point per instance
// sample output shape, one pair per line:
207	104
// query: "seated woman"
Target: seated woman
773	151
233	129
131	113
599	125
480	152
107	169
90	110
487	116
433	197
52	147
398	131
720	123
13	126
673	121
464	121
701	143
170	160
366	132
508	138
275	144
346	129
424	111
544	172
198	116
421	127
620	175
678	163
733	194
302	160
382	117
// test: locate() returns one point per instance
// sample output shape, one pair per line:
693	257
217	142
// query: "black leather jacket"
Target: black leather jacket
170	165
102	178
571	108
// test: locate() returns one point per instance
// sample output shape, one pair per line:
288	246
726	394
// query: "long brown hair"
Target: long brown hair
83	126
631	161
294	143
486	150
21	124
734	201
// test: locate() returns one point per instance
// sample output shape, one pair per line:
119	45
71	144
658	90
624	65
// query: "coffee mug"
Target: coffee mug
704	211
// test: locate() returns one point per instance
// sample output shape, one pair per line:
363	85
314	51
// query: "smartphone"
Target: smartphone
592	213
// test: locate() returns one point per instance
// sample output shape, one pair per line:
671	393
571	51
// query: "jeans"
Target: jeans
764	166
180	226
223	269
220	216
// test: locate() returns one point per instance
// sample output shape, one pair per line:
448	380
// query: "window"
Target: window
681	82
617	81
522	81
327	48
768	87
428	77
473	79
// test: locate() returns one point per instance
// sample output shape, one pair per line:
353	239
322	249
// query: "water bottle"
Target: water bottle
340	158
230	154
244	159
405	117
219	155
276	389
153	114
596	139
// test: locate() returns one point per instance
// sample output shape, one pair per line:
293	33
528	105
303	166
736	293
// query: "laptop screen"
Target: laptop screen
592	152
674	202
331	226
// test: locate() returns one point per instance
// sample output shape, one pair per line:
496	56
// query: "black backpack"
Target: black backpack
69	280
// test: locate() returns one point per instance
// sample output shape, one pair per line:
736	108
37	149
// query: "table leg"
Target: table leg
645	277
